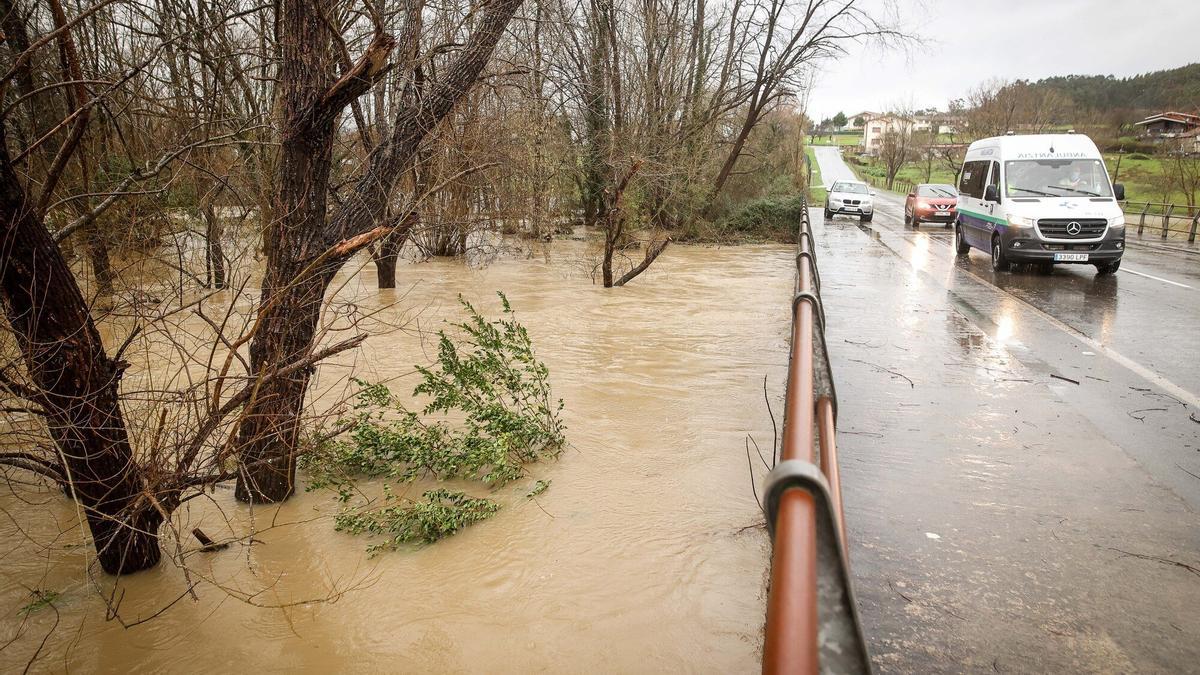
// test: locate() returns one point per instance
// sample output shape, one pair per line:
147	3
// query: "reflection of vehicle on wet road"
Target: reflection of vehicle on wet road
850	197
1041	199
931	202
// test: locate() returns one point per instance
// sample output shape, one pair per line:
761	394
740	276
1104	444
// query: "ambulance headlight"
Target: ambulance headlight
1020	221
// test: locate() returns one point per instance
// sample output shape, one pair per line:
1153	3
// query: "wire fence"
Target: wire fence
1166	220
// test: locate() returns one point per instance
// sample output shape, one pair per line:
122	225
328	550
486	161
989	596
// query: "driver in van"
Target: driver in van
1076	180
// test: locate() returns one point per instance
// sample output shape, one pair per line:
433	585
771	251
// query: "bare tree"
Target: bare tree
997	107
782	41
305	245
897	145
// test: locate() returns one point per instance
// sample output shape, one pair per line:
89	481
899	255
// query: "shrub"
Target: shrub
440	513
488	379
768	218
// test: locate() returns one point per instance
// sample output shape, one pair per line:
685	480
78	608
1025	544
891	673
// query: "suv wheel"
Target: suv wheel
961	246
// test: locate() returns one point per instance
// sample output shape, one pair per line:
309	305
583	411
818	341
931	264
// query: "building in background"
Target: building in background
1169	125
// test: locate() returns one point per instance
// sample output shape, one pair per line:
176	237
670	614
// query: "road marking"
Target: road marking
1137	368
1129	364
1151	276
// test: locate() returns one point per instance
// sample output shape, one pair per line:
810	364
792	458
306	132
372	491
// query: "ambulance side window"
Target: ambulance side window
974	177
995	180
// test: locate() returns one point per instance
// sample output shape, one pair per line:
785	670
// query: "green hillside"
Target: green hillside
1176	89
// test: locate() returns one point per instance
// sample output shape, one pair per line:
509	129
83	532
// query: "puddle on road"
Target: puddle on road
638	558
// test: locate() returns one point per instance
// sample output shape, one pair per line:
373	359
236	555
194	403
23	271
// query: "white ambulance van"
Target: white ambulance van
1042	199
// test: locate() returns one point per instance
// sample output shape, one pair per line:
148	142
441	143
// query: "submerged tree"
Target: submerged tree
202	99
307	244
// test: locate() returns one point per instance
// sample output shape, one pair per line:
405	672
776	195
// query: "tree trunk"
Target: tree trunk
388	252
215	253
75	382
300	235
270	428
735	153
652	252
290	307
97	252
606	270
386	255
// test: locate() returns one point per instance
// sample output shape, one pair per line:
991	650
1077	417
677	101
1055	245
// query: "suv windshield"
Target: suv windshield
1056	178
853	188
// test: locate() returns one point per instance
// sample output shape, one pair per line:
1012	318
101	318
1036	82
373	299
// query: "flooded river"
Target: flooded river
640	557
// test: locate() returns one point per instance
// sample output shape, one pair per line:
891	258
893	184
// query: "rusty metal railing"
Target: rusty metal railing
812	620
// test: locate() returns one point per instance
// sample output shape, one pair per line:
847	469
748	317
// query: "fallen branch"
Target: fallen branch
1188	472
652	254
1064	379
207	544
885	370
1157	559
1143	417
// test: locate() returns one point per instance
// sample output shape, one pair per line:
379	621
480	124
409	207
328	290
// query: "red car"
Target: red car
931	203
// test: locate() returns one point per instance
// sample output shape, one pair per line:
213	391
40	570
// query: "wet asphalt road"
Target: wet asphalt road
1003	519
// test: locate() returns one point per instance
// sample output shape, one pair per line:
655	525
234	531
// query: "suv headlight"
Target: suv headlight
1020	221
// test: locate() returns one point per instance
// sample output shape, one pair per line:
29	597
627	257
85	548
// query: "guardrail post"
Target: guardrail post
1195	222
1167	220
1142	220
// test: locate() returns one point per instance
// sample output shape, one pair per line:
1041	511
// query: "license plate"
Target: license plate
849	208
1070	257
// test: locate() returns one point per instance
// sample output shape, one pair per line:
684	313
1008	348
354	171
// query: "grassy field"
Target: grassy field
816	195
836	139
910	173
1145	178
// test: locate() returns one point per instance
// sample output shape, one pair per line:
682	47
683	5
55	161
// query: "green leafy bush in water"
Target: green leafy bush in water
488	380
441	513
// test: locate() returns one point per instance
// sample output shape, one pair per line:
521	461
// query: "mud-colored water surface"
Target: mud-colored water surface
641	557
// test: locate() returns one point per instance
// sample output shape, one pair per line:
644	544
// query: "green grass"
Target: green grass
843	138
816	195
910	173
1145	178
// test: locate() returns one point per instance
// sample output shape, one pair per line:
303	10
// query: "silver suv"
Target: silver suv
850	197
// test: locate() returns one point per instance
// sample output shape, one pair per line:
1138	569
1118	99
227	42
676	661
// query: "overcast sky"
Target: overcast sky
969	42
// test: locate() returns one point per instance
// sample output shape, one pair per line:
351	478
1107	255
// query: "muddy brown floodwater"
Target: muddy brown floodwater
639	558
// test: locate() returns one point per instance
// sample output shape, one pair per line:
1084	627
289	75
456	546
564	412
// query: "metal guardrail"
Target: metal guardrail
812	619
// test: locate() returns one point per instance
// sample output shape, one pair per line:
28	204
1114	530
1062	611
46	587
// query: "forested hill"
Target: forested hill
1176	89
